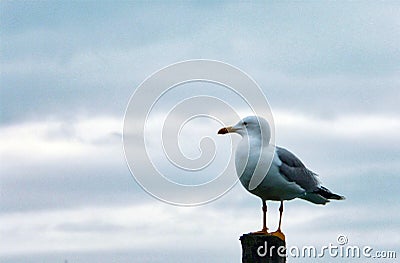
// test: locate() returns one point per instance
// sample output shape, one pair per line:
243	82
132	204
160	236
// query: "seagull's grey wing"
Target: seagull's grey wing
295	171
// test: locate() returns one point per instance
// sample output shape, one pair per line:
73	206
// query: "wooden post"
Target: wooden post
262	249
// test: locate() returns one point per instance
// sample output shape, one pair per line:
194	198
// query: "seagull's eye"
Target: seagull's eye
245	123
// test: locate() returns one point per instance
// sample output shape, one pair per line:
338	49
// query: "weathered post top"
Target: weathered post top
262	249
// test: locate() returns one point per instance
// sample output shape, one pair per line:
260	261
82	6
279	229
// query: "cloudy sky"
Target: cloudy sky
331	75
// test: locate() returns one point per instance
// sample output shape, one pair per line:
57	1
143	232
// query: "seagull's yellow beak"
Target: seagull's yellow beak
226	130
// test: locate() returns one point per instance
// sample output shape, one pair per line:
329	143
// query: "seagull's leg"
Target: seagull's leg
280	216
278	233
264	209
264	230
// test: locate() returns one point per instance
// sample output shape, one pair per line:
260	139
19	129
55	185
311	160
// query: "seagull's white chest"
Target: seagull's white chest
254	159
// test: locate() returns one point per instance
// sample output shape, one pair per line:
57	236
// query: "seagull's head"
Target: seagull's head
250	126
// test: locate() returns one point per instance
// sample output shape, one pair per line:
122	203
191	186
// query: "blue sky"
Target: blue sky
329	70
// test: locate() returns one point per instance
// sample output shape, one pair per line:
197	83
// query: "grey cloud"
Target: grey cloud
343	168
153	255
329	96
357	42
89	227
66	130
66	185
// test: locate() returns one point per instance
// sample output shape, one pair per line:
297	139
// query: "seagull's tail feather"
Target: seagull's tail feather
315	198
328	194
321	196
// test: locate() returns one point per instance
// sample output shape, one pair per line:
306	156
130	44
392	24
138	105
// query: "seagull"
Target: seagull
285	178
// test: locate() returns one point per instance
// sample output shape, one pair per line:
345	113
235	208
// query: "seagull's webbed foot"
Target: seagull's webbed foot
263	231
278	233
